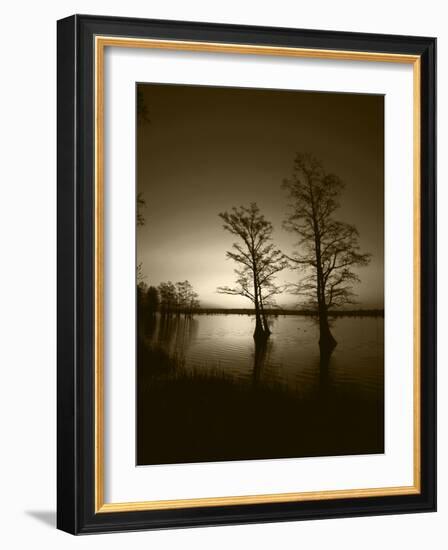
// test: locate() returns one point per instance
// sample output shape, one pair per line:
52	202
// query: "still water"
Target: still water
223	343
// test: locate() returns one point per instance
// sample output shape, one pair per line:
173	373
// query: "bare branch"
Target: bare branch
327	250
259	260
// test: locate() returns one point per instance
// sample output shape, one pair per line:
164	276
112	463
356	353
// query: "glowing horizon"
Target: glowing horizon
205	150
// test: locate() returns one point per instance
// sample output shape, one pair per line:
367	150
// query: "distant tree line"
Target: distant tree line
279	311
168	298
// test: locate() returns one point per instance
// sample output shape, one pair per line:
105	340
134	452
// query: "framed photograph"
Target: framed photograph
246	274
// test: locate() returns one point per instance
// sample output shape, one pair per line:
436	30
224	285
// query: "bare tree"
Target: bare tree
327	249
140	221
140	201
258	258
140	277
141	205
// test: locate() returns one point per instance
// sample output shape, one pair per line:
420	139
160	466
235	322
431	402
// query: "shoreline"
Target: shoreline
284	312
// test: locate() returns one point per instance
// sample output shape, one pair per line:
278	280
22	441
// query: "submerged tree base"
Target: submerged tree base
327	345
327	342
261	335
262	331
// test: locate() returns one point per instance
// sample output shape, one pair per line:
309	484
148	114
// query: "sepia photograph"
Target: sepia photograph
247	274
260	274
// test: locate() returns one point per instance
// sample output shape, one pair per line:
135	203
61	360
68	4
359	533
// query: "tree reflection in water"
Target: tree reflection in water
325	371
175	333
262	349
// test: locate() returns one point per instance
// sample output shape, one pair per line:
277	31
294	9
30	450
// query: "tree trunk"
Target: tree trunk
259	331
326	339
266	328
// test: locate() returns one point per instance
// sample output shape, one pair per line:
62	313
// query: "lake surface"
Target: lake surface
223	343
206	392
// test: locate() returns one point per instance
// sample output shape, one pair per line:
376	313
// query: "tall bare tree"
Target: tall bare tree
258	258
327	249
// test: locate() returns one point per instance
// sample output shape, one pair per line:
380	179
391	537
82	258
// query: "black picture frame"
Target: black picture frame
76	272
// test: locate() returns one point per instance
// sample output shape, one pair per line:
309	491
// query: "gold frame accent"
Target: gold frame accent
101	42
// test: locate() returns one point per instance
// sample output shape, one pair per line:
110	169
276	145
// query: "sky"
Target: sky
206	149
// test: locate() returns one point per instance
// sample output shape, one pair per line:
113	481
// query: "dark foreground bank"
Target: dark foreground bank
195	416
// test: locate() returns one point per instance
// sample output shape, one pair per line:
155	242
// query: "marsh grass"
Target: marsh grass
194	415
